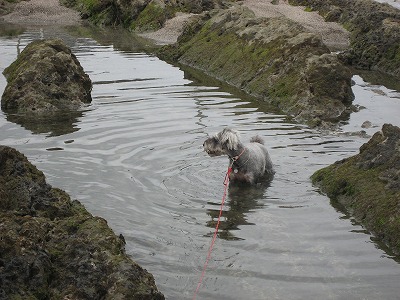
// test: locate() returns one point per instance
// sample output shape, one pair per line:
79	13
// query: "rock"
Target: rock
52	248
137	15
366	124
368	185
152	17
6	6
45	78
274	59
374	27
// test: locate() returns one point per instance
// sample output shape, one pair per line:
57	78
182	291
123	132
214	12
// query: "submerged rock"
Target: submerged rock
52	248
274	59
368	185
46	78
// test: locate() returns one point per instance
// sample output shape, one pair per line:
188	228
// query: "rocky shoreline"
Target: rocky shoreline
53	248
374	32
275	60
313	86
279	54
273	57
367	185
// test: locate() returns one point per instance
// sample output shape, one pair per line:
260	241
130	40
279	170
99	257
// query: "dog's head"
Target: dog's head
222	143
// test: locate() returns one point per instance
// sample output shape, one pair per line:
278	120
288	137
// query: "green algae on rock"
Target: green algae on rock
137	15
52	248
271	58
46	78
368	185
152	17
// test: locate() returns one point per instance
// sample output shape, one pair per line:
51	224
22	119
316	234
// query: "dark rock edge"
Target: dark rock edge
367	185
53	248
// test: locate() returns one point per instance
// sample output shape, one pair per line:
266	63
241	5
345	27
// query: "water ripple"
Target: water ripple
136	159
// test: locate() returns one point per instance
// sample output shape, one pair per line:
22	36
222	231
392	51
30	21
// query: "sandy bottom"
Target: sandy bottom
170	32
38	12
333	34
41	12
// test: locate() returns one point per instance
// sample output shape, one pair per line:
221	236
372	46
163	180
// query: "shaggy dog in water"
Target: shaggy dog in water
250	162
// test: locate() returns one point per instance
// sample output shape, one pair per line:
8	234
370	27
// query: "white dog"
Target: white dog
249	162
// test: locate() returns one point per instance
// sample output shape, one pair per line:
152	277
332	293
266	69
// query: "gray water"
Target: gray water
134	157
394	3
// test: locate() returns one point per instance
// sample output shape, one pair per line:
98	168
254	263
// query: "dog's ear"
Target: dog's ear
230	138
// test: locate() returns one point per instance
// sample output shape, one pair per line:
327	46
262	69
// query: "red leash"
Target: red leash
226	184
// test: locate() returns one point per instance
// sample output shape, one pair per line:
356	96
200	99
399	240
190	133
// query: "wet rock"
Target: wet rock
6	6
137	15
274	59
52	248
271	58
366	124
45	78
374	27
368	185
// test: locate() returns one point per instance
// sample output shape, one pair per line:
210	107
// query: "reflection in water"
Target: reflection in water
137	160
119	38
10	30
57	124
242	200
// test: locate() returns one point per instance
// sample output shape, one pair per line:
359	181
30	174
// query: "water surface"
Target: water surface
134	157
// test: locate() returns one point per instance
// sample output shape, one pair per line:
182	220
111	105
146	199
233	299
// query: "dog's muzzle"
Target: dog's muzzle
212	147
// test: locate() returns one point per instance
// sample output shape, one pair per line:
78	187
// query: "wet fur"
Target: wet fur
254	162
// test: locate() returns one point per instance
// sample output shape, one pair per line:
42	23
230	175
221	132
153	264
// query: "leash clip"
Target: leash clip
235	158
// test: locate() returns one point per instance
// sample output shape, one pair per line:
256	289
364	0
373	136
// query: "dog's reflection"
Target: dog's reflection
242	199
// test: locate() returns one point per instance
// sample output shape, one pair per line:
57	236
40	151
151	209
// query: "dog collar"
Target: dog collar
235	158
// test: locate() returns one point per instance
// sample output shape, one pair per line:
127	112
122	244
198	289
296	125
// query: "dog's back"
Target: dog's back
261	155
257	139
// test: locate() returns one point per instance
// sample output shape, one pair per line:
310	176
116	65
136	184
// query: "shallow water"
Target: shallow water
134	157
394	3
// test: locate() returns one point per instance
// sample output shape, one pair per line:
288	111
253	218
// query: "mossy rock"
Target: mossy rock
137	15
273	59
367	185
98	12
53	248
46	78
151	18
